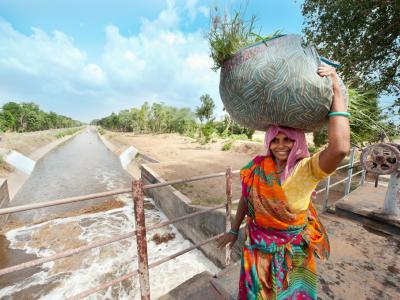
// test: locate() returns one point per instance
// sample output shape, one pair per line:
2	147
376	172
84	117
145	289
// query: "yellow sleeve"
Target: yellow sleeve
299	186
315	169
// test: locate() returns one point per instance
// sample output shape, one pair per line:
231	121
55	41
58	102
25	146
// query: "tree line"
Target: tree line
162	118
27	116
368	121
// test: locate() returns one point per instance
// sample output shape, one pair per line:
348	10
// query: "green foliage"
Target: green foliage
100	130
367	123
29	117
228	34
206	110
66	132
207	131
158	118
161	118
237	129
227	146
363	36
320	137
242	137
312	149
228	127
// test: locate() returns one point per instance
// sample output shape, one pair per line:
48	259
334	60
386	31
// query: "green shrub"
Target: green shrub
242	136
100	130
312	149
229	34
207	131
227	146
68	131
320	137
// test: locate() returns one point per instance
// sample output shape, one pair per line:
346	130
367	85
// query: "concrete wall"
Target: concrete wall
197	229
4	199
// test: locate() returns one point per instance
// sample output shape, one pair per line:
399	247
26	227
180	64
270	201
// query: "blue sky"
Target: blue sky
86	59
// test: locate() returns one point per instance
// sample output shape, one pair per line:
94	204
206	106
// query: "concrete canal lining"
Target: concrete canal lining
175	204
24	167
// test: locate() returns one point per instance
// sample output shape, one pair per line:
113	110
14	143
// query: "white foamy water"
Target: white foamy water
70	276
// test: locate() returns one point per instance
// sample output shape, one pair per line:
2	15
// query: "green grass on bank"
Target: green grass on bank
100	130
66	132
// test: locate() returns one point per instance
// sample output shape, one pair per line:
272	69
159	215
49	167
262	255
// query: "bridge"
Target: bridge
339	275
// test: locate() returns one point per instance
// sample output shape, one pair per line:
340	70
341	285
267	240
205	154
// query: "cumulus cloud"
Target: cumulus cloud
158	63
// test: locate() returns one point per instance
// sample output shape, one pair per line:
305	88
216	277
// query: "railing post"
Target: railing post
326	196
350	171
362	180
141	242
228	212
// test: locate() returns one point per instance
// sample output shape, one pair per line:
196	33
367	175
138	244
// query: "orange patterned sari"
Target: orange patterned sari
278	259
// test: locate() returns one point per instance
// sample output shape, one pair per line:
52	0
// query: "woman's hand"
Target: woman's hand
227	238
328	71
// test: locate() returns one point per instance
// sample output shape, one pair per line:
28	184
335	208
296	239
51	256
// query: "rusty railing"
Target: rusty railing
140	231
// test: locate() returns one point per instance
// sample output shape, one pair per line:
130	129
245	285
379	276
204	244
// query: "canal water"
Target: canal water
83	165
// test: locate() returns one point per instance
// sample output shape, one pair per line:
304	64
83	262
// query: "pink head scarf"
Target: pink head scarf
298	152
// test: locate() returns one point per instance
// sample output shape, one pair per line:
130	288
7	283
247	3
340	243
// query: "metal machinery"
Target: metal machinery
382	159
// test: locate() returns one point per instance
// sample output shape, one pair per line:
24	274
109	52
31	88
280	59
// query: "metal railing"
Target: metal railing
347	180
141	230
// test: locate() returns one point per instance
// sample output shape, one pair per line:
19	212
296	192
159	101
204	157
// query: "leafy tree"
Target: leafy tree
367	122
363	36
143	117
159	118
206	109
29	117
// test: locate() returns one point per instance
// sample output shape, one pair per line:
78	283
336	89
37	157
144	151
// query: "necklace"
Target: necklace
279	167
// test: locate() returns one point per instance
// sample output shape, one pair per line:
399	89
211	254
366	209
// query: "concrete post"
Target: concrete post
392	199
350	171
326	196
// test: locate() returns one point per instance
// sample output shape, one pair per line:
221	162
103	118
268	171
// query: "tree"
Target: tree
29	117
143	117
363	36
367	122
206	110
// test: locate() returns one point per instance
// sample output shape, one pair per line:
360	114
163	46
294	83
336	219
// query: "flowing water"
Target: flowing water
81	166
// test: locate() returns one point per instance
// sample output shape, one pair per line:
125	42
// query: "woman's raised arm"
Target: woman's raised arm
338	127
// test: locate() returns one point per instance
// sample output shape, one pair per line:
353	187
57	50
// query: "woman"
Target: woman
283	231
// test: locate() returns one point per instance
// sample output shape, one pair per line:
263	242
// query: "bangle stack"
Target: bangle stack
234	232
339	113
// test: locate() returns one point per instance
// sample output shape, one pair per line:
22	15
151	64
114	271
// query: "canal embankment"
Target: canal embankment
32	146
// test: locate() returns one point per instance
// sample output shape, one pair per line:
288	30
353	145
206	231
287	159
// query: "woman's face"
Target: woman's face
280	146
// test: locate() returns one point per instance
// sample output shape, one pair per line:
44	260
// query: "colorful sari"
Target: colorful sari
278	260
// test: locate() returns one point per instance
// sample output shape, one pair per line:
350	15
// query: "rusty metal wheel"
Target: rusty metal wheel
381	158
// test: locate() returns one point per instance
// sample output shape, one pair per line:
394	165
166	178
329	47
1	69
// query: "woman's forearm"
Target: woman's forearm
338	127
240	214
338	132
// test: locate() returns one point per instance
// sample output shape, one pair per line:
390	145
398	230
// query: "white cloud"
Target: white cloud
193	9
159	63
92	73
